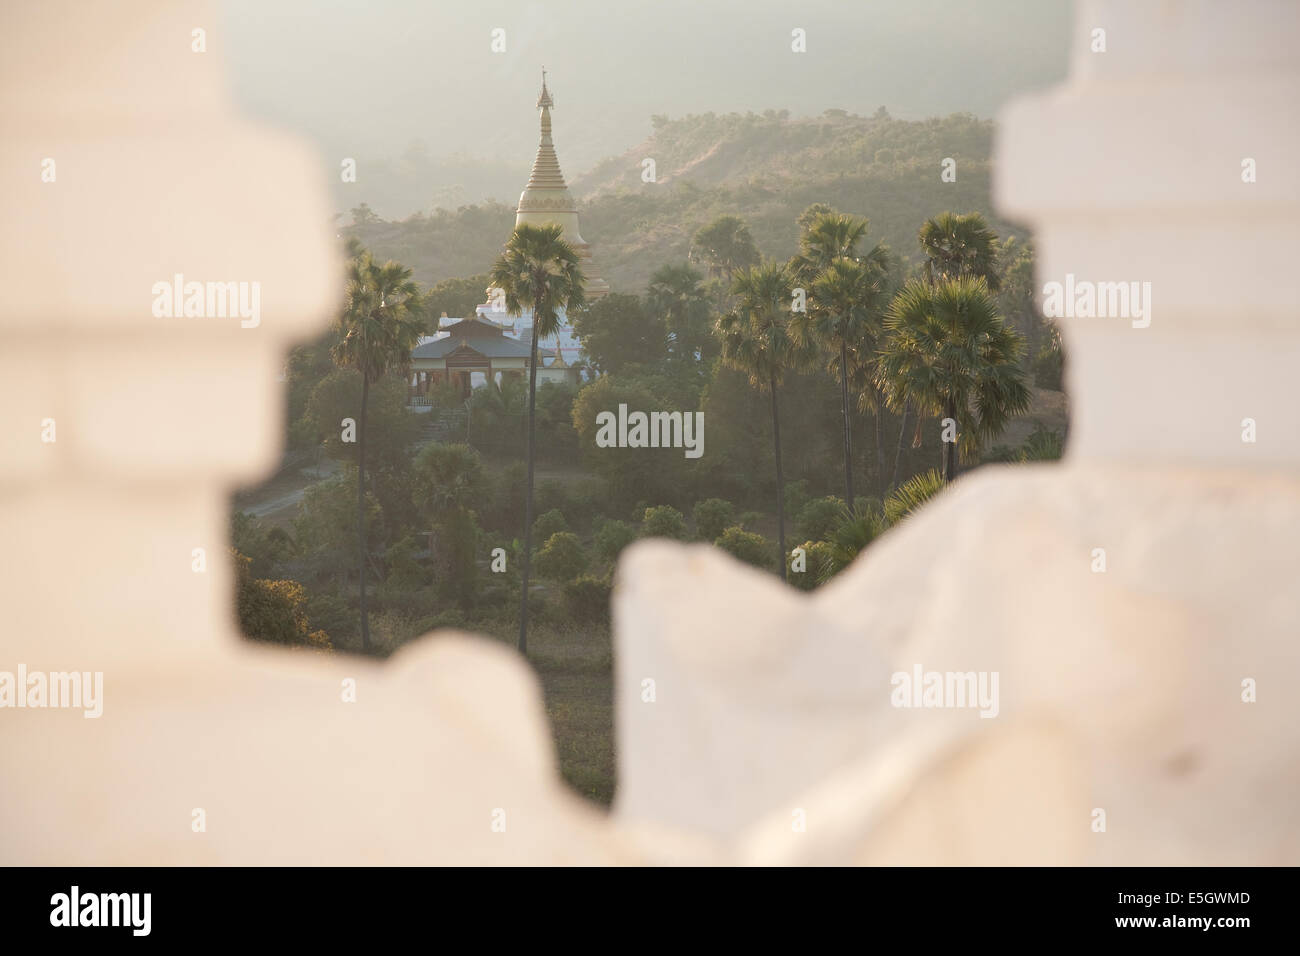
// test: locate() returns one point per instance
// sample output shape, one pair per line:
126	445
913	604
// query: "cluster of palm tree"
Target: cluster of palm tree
384	316
938	346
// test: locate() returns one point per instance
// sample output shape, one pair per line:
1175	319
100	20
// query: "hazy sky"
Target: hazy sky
365	78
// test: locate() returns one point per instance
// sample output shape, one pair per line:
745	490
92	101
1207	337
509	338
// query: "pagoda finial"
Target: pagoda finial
544	100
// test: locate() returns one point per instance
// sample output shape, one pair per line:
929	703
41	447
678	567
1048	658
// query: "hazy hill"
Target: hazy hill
765	168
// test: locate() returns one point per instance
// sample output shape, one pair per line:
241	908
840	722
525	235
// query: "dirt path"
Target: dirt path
277	500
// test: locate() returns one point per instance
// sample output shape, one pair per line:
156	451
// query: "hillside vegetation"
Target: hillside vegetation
764	168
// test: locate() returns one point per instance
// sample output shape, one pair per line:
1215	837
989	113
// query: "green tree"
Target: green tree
561	559
950	354
323	526
265	547
612	537
549	523
746	546
308	364
586	599
634	474
676	294
382	319
274	611
392	427
457	297
363	215
537	271
449	480
757	340
618	332
819	516
664	521
712	517
812	213
725	245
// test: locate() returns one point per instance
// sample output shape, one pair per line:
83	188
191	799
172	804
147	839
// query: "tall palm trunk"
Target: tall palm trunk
949	447
528	499
880	451
898	455
780	478
848	428
361	509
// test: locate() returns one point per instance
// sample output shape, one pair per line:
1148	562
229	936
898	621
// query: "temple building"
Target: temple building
470	352
492	342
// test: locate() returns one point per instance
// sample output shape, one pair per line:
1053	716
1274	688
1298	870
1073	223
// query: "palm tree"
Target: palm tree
448	481
832	235
843	316
677	294
957	246
853	532
950	354
907	498
537	271
757	339
954	246
844	320
382	320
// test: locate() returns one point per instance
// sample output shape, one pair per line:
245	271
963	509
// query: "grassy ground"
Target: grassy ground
575	667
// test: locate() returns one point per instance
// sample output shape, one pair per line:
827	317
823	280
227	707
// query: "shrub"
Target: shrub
855	530
1042	445
911	495
452	618
333	615
818	517
612	537
549	523
796	496
552	495
404	569
664	521
265	547
712	517
746	546
274	611
409	601
1000	454
588	496
390	629
816	558
561	558
506	512
586	599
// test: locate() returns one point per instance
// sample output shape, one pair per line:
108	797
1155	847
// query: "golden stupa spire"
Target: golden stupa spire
546	166
546	198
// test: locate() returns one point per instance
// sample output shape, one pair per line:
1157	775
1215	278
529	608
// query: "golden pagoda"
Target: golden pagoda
546	199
